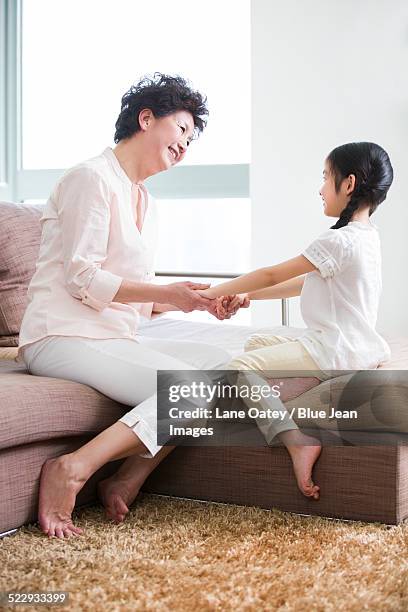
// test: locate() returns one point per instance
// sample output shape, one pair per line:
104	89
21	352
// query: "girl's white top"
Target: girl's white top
339	301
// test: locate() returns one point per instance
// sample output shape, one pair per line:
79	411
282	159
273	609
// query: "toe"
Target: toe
44	524
76	531
307	489
120	506
59	532
316	493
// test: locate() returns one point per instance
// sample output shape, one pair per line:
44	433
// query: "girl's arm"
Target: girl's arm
262	278
287	289
218	311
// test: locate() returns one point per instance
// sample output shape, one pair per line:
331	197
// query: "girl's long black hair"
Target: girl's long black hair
372	168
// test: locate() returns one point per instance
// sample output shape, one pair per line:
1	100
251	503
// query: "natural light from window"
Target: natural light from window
80	56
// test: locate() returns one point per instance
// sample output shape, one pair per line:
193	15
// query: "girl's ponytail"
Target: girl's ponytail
347	212
372	168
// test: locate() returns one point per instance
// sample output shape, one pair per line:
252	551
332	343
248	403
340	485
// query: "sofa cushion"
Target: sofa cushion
19	246
9	353
399	353
38	408
379	397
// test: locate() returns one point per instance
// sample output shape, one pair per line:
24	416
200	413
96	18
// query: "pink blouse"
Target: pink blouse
90	242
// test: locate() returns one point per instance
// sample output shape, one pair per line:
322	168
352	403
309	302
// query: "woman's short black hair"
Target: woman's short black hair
372	168
163	95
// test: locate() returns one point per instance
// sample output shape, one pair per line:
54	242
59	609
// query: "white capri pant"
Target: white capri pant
124	370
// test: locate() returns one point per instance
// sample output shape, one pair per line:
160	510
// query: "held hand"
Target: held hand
186	296
217	310
241	300
229	305
215	306
226	306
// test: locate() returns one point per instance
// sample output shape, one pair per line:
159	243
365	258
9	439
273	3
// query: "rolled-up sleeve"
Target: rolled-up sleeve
146	308
84	214
330	252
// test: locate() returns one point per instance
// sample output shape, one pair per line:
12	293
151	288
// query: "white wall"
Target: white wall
325	73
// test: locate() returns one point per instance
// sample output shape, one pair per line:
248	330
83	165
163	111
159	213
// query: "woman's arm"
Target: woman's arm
176	296
184	296
131	291
221	312
262	278
287	289
161	308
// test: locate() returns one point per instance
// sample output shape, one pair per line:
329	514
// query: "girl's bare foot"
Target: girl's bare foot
304	451
60	482
117	494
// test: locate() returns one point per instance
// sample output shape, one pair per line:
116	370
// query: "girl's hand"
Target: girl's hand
228	306
221	306
238	301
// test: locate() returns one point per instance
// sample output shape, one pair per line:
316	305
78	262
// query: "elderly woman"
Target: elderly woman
91	294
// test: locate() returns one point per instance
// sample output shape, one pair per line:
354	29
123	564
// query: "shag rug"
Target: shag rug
182	555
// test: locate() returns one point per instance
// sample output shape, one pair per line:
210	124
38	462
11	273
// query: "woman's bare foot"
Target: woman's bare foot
304	451
119	491
117	494
60	483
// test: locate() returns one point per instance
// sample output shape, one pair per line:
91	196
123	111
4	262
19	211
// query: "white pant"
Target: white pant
123	370
126	371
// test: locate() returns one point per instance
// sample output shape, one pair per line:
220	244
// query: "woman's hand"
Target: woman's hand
187	296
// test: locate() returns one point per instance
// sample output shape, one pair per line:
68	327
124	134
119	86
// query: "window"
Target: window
204	235
80	56
74	59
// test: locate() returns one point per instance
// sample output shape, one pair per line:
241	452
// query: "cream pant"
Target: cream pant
265	353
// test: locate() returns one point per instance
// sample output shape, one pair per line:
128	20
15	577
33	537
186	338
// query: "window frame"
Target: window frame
10	83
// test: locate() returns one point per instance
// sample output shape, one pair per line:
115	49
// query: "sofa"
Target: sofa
362	471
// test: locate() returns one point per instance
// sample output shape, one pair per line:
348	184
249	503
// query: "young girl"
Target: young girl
338	277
